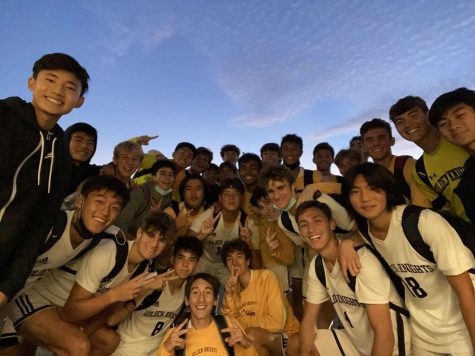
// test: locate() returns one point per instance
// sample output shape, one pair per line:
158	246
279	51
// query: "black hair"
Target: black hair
376	123
448	100
205	152
212	166
405	104
81	127
231	183
108	183
229	147
313	204
280	173
257	194
377	177
186	145
246	157
156	221
236	245
161	163
184	182
271	146
292	138
323	146
355	138
227	164
188	244
206	277
62	61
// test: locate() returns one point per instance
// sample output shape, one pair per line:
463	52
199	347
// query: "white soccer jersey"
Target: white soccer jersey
59	254
436	318
373	286
142	333
214	242
98	264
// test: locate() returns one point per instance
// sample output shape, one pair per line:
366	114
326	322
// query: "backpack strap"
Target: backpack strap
307	177
320	271
410	220
287	223
150	300
55	233
399	163
175	207
439	202
122	252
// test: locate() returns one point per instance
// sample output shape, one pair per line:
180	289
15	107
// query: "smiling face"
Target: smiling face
182	157
377	143
280	192
368	201
291	152
458	126
249	172
236	262
99	209
127	162
81	147
184	263
316	228
164	177
413	125
267	209
194	193
200	300
271	158
54	93
323	159
149	244
200	163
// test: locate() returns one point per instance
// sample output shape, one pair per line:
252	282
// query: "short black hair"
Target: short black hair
161	163
231	183
257	194
246	157
227	164
184	182
280	173
236	245
378	177
270	146
62	61
205	276
355	138
292	138
205	152
448	100
212	167
186	145
376	123
108	183
188	244
229	147
323	146
313	204
405	104
81	127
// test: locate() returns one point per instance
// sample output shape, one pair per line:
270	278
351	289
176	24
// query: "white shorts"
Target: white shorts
25	304
216	269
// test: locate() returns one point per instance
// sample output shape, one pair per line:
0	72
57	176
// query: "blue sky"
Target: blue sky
245	72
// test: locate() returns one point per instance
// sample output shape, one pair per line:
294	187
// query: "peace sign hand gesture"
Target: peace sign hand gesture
175	339
158	282
271	239
207	227
232	283
245	233
236	335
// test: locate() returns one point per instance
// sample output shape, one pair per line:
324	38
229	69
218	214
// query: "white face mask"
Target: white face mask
163	192
289	206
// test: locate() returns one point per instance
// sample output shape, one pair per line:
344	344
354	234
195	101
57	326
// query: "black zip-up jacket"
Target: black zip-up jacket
34	170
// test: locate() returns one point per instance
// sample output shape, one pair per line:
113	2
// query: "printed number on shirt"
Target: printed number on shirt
158	327
414	287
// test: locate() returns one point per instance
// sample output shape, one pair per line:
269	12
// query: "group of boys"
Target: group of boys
109	272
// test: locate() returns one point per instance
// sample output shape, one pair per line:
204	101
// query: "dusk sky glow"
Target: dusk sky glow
243	72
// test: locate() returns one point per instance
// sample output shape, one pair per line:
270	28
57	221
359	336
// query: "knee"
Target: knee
78	345
106	340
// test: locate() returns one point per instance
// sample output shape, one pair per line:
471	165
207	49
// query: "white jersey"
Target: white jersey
214	242
436	318
98	264
59	254
373	286
142	333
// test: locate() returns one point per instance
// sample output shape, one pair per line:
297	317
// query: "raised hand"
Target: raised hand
183	220
245	233
175	339
155	205
158	282
130	289
231	284
207	227
236	335
144	139
271	239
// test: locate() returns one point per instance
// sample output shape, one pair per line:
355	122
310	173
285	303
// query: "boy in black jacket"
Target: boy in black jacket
35	165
